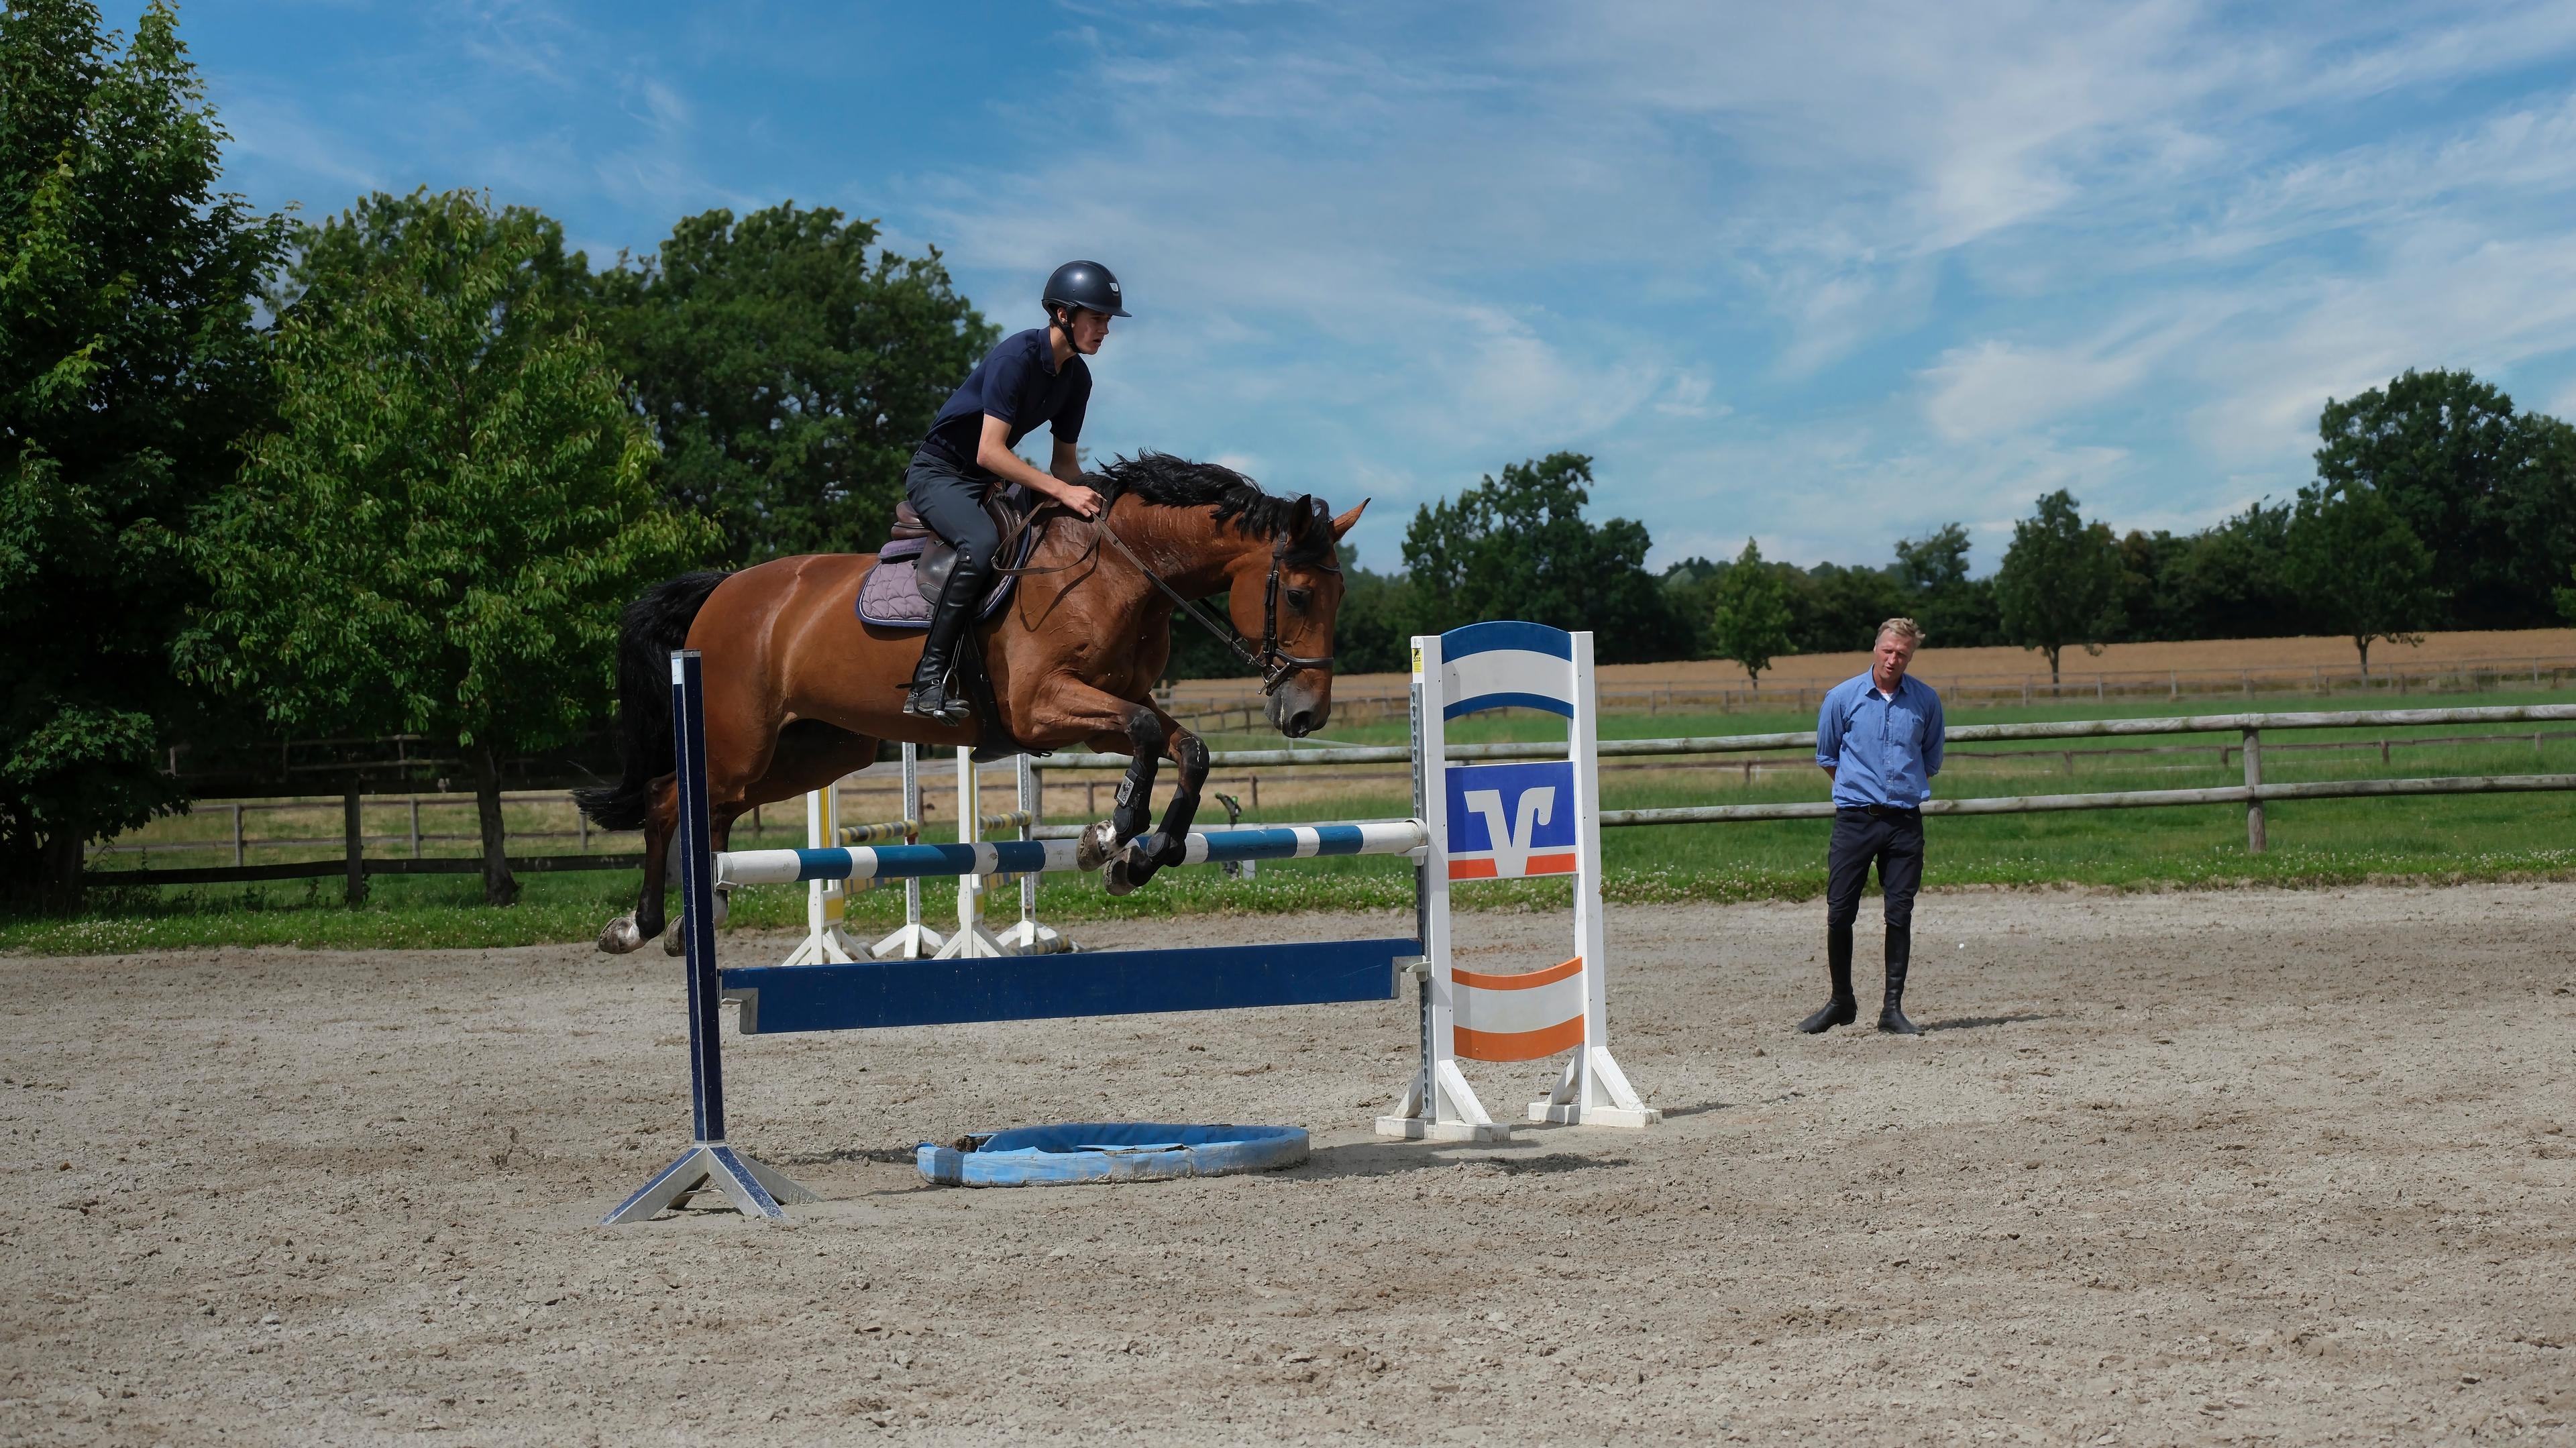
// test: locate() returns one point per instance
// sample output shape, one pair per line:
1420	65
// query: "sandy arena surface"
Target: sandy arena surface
2250	1166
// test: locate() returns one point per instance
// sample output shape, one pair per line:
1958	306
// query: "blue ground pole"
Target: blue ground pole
709	1164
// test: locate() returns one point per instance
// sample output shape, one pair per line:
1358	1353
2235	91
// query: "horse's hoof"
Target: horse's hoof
621	935
1118	880
1092	848
675	941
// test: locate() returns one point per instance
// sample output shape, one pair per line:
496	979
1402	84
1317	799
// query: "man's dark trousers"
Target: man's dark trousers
1891	839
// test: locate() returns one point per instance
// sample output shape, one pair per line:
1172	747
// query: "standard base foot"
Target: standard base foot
755	1190
1571	1115
1414	1128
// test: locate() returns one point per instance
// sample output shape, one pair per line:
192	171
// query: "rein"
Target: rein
1275	664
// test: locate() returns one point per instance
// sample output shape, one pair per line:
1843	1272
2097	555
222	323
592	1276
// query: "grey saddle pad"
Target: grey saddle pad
890	596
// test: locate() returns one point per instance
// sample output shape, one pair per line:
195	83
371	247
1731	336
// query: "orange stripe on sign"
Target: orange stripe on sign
1551	864
1519	1045
1471	869
1523	981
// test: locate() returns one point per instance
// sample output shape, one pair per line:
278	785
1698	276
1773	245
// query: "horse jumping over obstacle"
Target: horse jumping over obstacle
1478	823
800	690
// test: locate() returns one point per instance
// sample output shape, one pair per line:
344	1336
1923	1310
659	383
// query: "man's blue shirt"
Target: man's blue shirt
1019	383
1882	751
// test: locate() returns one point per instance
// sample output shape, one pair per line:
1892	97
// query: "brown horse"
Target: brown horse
799	691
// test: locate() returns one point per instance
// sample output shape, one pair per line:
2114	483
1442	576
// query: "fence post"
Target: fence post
2255	842
237	836
354	841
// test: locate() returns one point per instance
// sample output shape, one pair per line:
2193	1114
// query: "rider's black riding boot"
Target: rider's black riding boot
1842	1010
956	609
1900	952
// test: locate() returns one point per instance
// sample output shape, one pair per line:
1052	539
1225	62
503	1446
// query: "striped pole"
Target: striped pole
988	857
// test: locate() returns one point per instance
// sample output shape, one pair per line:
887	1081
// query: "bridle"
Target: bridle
1275	664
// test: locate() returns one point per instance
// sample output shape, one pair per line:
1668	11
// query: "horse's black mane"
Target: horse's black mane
1170	482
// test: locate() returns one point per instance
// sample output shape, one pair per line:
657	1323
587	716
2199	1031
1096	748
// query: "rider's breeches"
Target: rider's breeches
953	505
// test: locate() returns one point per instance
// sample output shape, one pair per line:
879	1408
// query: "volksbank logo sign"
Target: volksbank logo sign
1510	821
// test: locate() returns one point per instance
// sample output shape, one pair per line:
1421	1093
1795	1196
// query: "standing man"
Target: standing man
1878	738
1036	376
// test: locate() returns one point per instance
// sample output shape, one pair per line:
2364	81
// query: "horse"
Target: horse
800	691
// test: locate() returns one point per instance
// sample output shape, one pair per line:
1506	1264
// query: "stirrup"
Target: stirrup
933	701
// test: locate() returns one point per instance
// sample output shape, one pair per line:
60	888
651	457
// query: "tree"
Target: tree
2360	567
128	365
1518	547
437	535
1932	572
2060	581
789	373
2490	490
1750	623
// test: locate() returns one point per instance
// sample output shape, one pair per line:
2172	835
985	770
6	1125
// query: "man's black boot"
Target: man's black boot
1900	953
930	698
1842	1010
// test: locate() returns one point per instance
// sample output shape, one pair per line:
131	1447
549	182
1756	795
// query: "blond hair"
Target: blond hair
1904	628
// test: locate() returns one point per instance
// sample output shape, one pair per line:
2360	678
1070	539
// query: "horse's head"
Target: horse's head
1283	594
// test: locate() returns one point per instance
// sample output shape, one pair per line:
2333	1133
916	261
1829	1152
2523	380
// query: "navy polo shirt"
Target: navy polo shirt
1019	383
1882	751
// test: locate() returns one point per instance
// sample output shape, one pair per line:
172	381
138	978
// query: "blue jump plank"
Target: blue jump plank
783	998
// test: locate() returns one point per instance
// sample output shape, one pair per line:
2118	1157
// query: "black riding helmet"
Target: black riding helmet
1084	284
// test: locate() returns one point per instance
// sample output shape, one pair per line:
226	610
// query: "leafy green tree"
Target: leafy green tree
2491	491
2060	581
1838	609
1932	572
1518	547
2361	567
128	366
437	535
1749	623
789	371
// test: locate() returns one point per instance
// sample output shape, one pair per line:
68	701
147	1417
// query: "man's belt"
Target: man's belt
1884	811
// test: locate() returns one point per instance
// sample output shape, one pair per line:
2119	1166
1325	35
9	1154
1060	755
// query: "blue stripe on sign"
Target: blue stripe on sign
1339	839
1226	846
1484	638
1507	701
830	864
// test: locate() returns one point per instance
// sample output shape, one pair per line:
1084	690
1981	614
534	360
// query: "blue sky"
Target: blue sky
1821	276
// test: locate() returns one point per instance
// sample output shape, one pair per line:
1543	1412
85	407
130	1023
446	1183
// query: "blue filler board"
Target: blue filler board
777	999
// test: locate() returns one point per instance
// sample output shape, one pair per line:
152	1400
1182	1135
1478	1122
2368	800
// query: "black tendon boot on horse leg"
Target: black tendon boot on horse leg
1169	844
1842	1010
1900	951
1135	800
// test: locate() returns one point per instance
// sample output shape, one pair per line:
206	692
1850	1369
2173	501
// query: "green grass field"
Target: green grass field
2324	842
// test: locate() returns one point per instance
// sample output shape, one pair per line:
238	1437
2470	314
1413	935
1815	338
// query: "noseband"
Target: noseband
1275	664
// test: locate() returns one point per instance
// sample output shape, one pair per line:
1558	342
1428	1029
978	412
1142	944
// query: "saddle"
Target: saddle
912	568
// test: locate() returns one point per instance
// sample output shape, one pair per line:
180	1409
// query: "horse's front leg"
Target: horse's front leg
661	821
1169	844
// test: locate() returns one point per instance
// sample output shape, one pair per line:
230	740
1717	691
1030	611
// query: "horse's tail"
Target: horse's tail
651	628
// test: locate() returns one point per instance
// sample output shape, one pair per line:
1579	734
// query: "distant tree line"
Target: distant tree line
2437	505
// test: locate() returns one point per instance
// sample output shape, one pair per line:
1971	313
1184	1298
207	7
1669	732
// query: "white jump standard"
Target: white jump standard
1508	822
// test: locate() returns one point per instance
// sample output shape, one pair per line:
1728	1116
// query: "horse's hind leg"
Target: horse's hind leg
661	821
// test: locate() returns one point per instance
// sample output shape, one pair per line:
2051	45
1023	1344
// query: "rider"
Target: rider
1033	377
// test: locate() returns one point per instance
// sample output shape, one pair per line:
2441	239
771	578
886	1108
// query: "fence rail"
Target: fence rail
2249	728
1217	714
